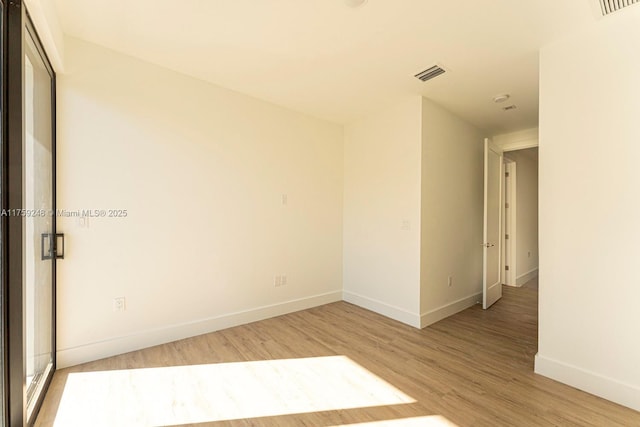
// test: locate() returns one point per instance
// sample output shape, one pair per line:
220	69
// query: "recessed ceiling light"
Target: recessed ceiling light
355	3
501	98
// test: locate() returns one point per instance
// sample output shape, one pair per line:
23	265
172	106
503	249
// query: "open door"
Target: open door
492	243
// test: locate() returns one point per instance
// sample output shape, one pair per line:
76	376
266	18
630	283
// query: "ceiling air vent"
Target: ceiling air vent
432	72
610	6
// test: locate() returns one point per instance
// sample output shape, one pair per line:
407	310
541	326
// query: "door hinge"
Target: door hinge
506	267
506	174
506	205
506	236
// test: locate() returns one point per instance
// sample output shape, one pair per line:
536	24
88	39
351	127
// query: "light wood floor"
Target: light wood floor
474	368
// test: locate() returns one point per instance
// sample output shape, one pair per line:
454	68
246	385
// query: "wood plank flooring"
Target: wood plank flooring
474	368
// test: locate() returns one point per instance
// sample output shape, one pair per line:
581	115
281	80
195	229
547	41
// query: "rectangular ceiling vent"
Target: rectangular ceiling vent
610	6
432	72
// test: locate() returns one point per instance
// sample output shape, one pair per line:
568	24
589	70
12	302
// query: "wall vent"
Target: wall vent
432	72
610	6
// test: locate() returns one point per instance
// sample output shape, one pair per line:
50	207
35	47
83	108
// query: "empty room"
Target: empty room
320	213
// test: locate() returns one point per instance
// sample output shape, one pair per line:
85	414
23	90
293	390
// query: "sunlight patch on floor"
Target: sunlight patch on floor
427	421
223	391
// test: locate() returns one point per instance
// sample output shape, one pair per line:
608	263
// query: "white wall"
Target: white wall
590	209
413	212
452	209
382	211
201	171
526	213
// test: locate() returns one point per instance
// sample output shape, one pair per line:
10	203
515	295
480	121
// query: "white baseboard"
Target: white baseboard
524	278
607	388
393	312
432	316
98	350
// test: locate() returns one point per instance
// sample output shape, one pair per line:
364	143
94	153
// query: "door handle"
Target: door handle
52	246
487	245
46	250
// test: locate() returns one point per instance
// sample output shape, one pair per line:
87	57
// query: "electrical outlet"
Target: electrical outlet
406	225
450	281
279	280
119	304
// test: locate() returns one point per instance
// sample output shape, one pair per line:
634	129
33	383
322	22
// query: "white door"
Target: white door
492	243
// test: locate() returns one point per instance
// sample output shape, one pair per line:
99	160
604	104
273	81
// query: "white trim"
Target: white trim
512	198
520	145
527	138
525	277
391	311
98	350
591	382
432	316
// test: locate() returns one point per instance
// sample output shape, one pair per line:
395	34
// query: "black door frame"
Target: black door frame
12	186
17	26
3	221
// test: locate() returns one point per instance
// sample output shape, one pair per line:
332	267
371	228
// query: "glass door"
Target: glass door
38	221
27	232
3	294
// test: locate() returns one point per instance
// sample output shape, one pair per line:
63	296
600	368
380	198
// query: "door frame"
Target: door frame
12	247
510	222
4	289
17	26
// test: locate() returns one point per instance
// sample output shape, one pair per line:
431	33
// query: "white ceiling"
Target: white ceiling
338	63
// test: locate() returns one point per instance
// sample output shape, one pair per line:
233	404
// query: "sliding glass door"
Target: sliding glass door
28	217
38	223
3	294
